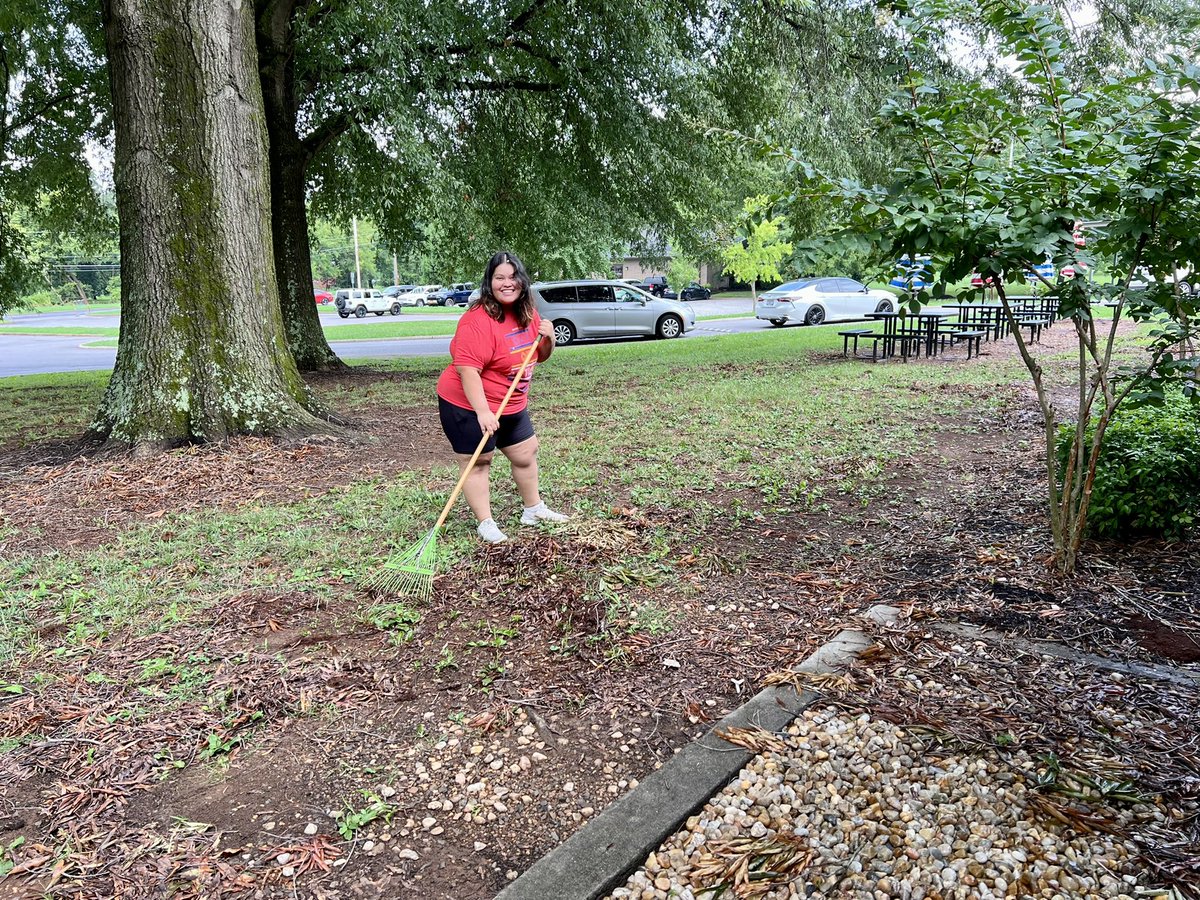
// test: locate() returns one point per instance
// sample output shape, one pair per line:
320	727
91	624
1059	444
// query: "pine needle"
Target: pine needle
755	739
821	681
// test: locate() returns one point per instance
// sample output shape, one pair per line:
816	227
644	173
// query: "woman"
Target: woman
492	338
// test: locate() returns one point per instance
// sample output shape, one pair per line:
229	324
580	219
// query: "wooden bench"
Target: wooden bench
854	333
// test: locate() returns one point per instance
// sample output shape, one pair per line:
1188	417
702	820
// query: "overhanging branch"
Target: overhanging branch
325	133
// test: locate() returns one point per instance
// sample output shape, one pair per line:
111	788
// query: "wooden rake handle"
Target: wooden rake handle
462	479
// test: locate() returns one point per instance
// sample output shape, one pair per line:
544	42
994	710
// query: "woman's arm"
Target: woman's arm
546	341
473	387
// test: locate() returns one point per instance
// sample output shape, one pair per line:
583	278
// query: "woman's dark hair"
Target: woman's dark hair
523	308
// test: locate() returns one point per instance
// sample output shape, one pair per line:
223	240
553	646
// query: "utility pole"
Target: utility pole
357	261
395	270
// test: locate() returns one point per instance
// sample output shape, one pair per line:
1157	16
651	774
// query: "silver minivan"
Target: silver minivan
600	309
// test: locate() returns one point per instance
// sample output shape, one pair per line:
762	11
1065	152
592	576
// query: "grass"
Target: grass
66	307
664	421
61	329
42	407
396	328
773	419
357	332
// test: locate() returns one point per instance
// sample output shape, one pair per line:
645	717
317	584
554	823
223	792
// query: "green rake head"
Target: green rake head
410	573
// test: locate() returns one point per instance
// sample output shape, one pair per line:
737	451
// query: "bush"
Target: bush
1148	476
38	298
68	293
112	291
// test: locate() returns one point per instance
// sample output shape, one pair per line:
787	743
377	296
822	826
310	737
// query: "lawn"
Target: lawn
60	329
196	681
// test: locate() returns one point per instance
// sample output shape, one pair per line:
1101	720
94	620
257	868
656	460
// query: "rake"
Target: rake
410	572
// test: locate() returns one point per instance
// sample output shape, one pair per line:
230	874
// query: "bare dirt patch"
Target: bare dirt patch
57	497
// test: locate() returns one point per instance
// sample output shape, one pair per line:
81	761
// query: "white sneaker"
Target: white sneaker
490	532
532	515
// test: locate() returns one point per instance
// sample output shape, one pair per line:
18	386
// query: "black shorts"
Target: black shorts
462	428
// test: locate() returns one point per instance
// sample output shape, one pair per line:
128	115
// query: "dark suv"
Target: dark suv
654	284
695	291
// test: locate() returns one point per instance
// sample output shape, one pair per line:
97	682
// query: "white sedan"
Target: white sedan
817	300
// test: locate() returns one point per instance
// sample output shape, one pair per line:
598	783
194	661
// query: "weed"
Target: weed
8	857
489	673
351	820
652	618
498	637
218	745
398	618
446	660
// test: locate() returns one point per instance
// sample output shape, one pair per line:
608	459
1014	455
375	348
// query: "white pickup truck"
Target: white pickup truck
360	301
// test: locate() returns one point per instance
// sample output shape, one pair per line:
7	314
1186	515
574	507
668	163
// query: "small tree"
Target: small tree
762	248
997	176
681	272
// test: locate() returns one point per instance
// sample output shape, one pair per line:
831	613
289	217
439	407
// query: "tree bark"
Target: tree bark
202	353
288	161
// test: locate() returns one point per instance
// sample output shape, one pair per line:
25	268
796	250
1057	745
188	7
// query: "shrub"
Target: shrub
1148	475
38	298
68	294
112	291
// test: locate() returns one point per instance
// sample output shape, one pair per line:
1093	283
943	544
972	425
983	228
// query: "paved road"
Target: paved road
27	354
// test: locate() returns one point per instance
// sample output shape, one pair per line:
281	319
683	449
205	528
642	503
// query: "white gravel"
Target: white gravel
882	818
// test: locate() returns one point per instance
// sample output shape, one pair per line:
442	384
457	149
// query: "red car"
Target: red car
323	297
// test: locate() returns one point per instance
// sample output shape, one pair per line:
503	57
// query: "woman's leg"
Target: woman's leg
523	457
477	487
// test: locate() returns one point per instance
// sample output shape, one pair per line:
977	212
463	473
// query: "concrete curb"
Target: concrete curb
600	855
1059	651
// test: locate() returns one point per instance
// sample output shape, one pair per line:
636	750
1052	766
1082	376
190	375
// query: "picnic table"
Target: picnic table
924	333
989	317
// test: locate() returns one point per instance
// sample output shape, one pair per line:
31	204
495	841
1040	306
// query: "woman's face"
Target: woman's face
506	287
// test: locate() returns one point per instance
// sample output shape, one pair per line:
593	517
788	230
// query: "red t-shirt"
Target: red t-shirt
496	349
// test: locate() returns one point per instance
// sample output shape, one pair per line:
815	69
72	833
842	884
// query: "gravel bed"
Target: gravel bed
854	807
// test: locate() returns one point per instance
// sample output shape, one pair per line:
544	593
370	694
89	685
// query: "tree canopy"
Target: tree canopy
54	92
999	174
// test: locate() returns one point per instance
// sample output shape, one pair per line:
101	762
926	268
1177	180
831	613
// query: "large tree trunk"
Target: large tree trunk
288	160
202	353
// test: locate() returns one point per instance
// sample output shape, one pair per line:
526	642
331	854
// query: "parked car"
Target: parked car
1143	278
397	289
360	301
461	293
816	300
324	298
596	309
695	291
421	296
654	284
